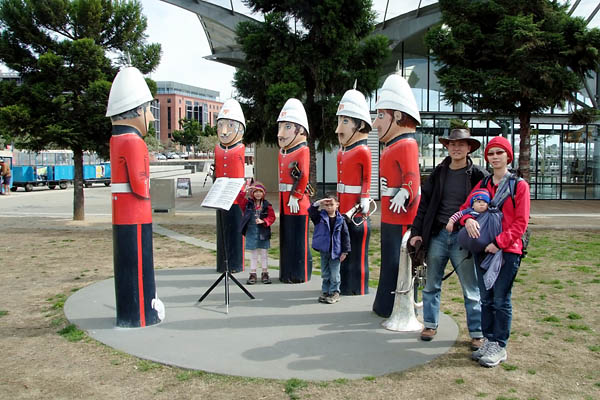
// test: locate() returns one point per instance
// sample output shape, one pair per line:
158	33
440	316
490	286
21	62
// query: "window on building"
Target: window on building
189	113
169	118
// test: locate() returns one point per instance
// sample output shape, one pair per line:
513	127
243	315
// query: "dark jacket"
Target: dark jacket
266	213
431	196
322	234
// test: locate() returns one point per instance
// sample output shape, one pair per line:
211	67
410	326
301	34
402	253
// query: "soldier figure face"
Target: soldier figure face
289	134
347	131
229	131
383	123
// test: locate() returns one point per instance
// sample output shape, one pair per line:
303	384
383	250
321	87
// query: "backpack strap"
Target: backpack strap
510	189
485	182
513	181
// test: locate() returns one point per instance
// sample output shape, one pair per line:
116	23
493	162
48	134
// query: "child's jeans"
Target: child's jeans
330	273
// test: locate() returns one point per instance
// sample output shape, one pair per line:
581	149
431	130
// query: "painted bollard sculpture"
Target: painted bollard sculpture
396	122
229	163
295	261
353	186
137	303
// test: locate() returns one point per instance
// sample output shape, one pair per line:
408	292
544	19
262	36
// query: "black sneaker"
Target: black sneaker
334	298
323	297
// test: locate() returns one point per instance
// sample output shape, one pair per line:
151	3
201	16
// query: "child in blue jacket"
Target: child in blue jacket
332	239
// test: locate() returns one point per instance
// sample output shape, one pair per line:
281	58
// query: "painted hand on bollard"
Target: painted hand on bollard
399	200
293	205
159	307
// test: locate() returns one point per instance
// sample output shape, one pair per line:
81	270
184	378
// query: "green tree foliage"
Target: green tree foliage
152	142
311	50
512	57
61	48
190	134
458	124
209	130
207	144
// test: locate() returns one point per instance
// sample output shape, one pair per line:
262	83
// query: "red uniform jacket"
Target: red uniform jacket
229	161
354	171
130	178
300	154
399	164
514	218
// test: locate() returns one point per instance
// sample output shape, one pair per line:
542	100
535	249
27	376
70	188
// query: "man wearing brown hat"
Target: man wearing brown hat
441	196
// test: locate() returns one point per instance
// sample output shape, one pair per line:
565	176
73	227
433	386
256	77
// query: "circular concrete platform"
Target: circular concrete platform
284	333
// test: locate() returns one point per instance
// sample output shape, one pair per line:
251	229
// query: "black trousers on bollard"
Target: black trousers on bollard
229	222
295	260
134	275
354	270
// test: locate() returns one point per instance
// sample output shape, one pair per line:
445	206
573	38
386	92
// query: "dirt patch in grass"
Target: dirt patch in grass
554	351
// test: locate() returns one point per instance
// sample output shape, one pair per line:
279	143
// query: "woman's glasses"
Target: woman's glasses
495	153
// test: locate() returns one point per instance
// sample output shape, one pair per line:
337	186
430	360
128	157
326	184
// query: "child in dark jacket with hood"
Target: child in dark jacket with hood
332	239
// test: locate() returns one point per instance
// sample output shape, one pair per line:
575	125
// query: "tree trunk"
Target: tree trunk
78	198
525	145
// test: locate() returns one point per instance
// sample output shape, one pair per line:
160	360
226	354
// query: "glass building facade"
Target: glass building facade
565	158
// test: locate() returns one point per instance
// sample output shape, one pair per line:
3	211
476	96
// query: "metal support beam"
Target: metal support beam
593	14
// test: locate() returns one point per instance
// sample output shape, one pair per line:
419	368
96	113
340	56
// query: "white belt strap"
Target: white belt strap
285	187
120	188
341	188
390	192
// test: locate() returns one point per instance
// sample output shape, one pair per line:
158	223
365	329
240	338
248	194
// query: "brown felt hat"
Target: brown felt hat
461	134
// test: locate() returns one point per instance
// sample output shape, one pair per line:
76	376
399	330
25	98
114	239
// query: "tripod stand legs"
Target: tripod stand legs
213	286
226	275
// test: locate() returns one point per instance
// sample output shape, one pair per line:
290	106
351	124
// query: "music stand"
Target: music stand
221	196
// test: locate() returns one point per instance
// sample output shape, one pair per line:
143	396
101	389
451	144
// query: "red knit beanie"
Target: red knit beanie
501	142
258	186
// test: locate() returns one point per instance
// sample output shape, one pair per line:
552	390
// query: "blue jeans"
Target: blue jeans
443	247
496	305
330	273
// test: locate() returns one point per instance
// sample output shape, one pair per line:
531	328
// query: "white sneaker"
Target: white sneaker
477	354
493	356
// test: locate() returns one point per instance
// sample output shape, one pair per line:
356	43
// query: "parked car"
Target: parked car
172	156
183	156
161	156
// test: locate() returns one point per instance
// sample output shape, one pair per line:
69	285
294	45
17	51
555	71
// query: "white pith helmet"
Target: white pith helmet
354	104
293	111
396	94
232	110
128	91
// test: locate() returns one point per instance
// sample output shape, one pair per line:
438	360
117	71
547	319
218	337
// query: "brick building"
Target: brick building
178	101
